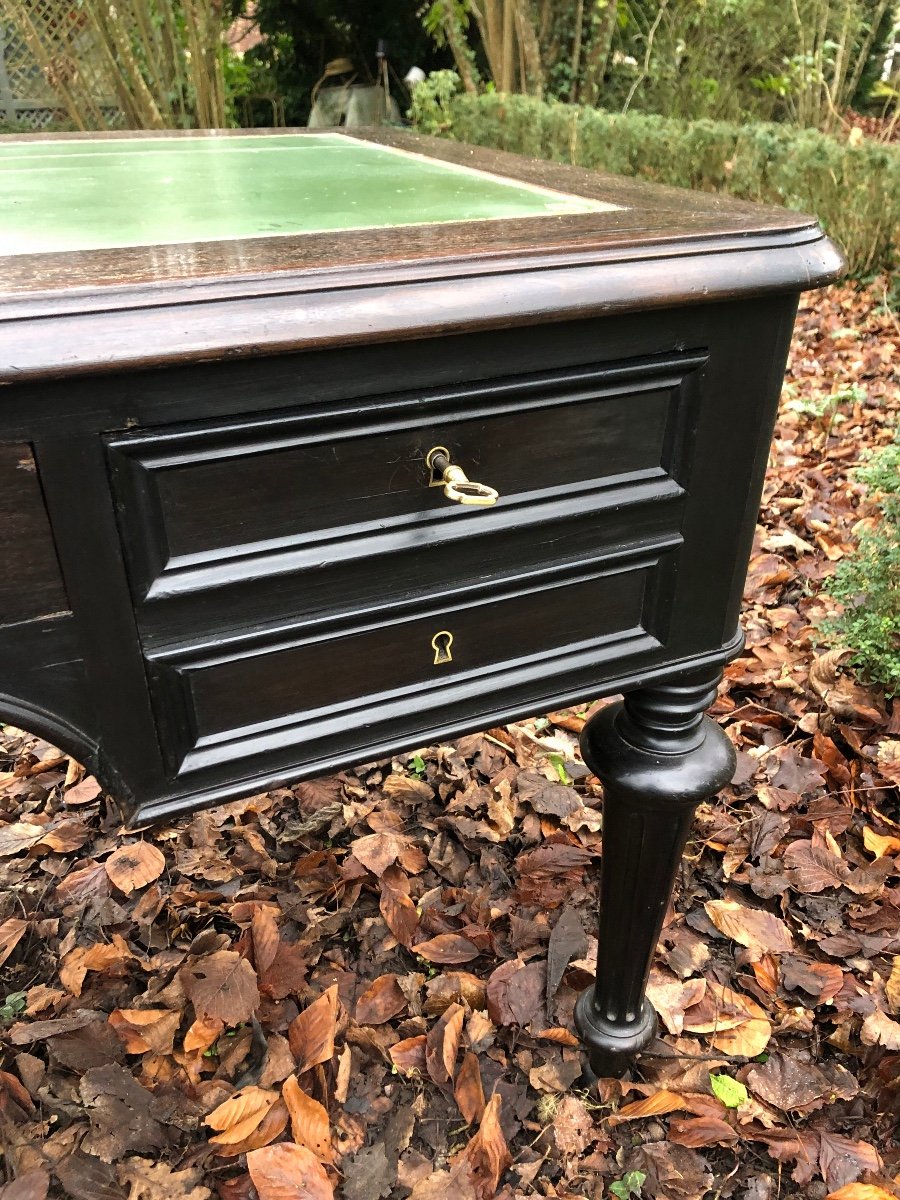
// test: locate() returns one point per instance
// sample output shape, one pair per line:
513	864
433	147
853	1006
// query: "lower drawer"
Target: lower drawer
314	696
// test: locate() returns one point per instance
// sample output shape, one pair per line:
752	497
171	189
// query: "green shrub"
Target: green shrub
867	583
854	190
432	100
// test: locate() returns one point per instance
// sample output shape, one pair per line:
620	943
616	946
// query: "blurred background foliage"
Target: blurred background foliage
797	60
300	38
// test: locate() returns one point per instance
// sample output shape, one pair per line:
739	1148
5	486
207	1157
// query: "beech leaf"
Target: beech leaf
11	933
892	987
222	985
381	1000
311	1034
408	1056
133	867
879	1030
487	1154
469	1091
447	948
310	1125
288	1172
760	931
237	1117
861	1191
442	1044
701	1131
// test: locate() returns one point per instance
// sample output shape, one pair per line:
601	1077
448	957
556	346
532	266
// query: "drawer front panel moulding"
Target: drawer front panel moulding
504	638
200	507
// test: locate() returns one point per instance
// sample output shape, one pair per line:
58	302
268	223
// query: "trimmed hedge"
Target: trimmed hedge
854	190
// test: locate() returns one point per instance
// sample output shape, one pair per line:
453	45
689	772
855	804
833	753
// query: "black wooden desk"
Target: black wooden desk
225	565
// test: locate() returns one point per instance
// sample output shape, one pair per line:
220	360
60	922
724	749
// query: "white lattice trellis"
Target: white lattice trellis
51	69
152	64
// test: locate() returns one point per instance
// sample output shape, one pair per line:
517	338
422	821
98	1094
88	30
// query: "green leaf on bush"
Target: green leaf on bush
867	582
629	1185
732	1093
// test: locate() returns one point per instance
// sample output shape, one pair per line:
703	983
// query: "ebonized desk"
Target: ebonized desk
232	369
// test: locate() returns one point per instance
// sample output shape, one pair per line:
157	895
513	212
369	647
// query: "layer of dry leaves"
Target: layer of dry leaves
363	986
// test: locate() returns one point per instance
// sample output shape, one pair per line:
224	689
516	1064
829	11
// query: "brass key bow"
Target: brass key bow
455	482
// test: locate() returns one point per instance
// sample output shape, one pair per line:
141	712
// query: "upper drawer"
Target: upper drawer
205	506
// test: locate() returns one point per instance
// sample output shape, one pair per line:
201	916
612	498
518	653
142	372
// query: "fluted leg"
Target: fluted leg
657	756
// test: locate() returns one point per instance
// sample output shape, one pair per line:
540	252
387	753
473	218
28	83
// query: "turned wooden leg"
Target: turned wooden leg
657	756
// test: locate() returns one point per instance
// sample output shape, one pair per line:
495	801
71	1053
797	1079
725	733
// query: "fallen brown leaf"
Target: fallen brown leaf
657	1105
396	907
880	844
310	1125
447	948
32	1185
11	933
468	1091
288	1172
442	1044
239	1115
760	931
487	1154
892	987
702	1131
102	957
133	867
861	1191
381	1000
221	985
270	1128
146	1029
842	1160
311	1034
879	1030
157	1181
408	1055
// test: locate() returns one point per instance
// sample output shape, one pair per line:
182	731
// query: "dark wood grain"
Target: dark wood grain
30	582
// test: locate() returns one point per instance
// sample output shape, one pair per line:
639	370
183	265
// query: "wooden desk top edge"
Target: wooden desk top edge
109	306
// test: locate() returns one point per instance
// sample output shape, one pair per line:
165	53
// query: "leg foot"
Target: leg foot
657	757
611	1045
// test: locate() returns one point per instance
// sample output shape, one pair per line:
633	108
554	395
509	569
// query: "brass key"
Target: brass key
456	484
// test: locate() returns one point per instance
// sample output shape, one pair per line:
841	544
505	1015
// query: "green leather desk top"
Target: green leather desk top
75	195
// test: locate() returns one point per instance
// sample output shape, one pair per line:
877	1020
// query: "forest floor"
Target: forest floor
363	986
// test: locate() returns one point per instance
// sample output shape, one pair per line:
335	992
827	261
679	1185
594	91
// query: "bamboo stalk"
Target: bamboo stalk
111	30
507	64
130	107
155	63
530	50
492	37
576	50
459	49
598	55
866	49
174	55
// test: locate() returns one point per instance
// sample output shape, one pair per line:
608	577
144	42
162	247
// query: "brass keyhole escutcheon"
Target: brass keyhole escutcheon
440	644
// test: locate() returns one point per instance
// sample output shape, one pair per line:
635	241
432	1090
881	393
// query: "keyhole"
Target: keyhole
441	643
